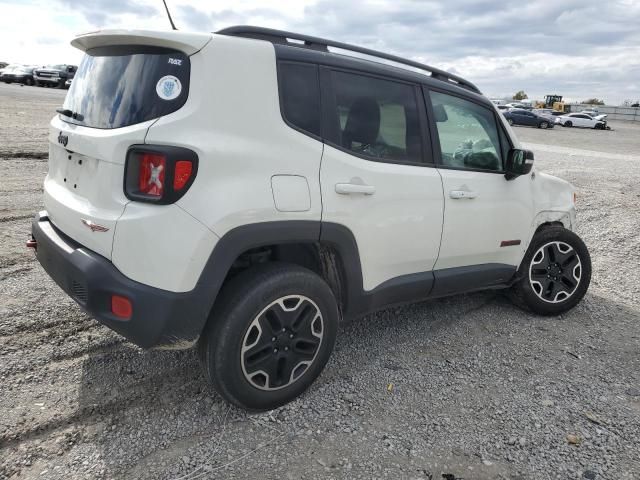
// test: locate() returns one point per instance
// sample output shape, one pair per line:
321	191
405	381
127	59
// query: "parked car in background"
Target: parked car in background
594	114
522	106
548	111
519	116
581	120
503	107
9	68
18	74
54	75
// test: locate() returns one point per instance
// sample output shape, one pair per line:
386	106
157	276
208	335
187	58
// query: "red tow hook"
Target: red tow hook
32	243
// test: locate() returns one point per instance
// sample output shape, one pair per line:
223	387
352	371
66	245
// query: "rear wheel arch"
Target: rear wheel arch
329	251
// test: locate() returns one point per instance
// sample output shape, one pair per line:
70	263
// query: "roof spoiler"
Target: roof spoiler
188	43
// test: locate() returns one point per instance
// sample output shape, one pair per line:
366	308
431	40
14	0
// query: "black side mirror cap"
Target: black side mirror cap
519	162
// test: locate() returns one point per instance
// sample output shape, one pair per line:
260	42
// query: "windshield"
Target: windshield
119	86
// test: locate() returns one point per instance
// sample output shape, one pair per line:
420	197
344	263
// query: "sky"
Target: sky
576	48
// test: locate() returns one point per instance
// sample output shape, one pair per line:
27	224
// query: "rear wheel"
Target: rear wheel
543	125
510	120
269	336
29	82
555	272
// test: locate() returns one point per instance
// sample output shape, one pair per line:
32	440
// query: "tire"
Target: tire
568	123
510	120
543	125
60	85
255	350
555	272
29	82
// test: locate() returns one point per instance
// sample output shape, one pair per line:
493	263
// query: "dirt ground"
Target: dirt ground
468	387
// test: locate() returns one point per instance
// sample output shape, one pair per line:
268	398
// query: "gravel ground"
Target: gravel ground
467	387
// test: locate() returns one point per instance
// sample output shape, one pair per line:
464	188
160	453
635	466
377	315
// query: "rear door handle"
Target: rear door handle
458	194
351	188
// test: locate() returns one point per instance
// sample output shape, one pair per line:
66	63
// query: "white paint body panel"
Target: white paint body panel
161	246
474	228
398	228
232	120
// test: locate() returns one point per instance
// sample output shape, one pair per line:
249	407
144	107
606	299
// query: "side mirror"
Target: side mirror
440	114
519	162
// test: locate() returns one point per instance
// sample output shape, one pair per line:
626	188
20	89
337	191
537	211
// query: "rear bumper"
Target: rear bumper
160	319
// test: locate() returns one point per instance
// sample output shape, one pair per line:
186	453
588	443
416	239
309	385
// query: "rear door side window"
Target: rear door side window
375	118
468	134
300	96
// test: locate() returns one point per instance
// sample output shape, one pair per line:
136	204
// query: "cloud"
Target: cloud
100	12
578	48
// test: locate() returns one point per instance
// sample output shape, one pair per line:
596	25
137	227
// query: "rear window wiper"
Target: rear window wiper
68	113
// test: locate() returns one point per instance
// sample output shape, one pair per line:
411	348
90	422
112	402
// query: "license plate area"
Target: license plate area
78	172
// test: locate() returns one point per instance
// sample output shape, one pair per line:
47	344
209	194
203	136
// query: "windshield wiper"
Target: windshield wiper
68	113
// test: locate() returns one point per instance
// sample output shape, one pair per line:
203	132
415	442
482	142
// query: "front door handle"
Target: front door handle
458	194
351	188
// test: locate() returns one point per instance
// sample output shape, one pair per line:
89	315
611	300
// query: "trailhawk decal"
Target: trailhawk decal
168	87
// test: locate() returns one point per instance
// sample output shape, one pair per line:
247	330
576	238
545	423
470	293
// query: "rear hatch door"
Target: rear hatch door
117	94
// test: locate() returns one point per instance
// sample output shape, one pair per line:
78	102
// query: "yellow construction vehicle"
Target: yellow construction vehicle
552	101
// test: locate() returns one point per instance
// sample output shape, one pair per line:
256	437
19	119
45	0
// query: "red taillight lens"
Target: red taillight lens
121	307
182	174
151	172
159	174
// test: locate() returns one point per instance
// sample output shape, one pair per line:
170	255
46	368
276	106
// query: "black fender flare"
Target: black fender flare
246	237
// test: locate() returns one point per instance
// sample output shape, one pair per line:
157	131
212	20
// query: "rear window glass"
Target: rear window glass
119	86
300	95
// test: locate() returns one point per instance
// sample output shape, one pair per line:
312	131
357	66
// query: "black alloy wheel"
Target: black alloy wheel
269	336
555	272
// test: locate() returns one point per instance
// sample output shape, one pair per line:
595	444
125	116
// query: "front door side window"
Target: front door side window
468	134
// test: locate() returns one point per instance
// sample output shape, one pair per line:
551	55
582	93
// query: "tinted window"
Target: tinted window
119	86
468	133
300	95
377	118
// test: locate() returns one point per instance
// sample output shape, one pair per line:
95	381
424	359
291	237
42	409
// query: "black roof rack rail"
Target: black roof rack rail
321	44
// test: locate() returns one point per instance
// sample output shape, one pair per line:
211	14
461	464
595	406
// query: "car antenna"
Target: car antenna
169	15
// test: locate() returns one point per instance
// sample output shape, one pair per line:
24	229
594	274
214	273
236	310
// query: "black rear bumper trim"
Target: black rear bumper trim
161	319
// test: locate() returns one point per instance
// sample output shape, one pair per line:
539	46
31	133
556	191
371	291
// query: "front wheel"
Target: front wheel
555	272
269	336
510	120
568	124
543	125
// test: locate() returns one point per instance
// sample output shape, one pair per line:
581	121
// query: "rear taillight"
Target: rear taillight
151	172
159	174
183	171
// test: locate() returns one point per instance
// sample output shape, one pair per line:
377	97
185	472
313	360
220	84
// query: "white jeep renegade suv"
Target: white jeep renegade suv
246	190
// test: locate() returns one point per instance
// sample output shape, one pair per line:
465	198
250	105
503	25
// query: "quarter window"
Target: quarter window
300	93
376	118
468	134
